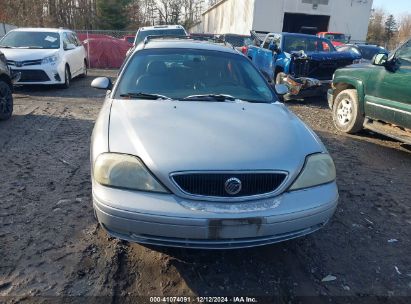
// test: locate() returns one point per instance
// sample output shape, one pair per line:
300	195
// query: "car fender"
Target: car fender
283	63
344	82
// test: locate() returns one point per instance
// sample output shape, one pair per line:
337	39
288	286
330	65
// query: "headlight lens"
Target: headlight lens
125	171
319	169
50	60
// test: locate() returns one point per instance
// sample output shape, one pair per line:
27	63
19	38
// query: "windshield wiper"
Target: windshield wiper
211	97
145	96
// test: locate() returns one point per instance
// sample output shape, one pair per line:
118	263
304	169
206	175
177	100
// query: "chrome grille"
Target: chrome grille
214	184
24	63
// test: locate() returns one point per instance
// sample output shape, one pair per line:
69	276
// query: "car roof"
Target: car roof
41	30
237	35
173	43
161	27
300	35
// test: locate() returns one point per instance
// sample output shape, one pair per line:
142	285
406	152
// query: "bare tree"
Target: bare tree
404	28
82	14
376	27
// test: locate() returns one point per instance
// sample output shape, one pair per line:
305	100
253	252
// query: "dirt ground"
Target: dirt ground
51	246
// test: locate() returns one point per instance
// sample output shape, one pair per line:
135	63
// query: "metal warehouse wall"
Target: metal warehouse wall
227	16
240	16
346	16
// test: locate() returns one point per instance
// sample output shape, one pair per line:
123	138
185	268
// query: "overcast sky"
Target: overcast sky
396	7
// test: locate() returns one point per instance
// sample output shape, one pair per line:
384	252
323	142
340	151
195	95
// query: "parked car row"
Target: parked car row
369	87
305	63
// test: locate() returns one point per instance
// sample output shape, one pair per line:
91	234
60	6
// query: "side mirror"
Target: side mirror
281	89
102	83
380	59
69	47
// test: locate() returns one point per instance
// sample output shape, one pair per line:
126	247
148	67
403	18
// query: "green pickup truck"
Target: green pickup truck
375	96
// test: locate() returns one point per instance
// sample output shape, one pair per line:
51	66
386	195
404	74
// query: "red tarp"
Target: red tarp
106	52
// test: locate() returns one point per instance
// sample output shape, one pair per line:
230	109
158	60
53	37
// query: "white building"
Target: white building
350	17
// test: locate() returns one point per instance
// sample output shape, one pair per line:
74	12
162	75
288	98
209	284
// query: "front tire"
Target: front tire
346	112
67	78
6	101
84	73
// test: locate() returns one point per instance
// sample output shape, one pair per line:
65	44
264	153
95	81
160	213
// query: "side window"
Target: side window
72	39
75	39
405	51
66	40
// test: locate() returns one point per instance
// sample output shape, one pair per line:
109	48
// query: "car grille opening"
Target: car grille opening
321	70
24	63
32	75
214	184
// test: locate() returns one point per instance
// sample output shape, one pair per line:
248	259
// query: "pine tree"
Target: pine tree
112	14
390	28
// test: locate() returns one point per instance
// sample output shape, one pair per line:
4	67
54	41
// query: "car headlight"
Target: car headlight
356	61
319	169
50	60
125	172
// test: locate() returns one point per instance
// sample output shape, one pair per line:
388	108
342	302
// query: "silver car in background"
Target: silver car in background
193	149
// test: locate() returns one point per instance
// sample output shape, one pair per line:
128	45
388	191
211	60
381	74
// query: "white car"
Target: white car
44	55
159	30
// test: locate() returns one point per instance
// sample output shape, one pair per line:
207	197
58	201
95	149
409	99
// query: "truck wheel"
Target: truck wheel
346	112
6	101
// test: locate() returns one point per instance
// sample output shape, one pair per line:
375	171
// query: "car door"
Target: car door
81	51
78	53
70	55
266	57
388	93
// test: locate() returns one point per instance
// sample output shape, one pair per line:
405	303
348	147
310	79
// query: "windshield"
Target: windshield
180	73
238	41
32	40
159	32
306	44
336	37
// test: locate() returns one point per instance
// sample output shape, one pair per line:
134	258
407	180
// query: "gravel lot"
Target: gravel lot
50	244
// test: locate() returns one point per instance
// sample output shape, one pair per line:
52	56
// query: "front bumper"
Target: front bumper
330	98
302	87
168	220
39	74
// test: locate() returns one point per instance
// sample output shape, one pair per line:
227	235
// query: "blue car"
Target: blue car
305	63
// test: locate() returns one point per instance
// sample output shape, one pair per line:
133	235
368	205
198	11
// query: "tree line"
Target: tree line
101	14
385	30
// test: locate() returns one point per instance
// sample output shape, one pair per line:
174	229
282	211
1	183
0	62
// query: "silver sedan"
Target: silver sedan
193	149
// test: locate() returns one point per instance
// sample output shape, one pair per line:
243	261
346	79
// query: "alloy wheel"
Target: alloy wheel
345	112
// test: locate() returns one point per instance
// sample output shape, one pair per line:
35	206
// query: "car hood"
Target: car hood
27	54
174	136
322	56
